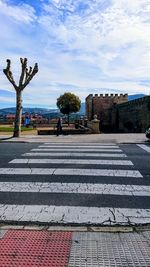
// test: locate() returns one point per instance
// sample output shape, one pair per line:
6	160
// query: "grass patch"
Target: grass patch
11	129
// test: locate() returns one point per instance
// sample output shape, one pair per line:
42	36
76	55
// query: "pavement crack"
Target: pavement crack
29	167
62	219
30	170
126	217
113	214
53	172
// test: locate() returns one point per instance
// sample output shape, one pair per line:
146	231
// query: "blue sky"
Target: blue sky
81	46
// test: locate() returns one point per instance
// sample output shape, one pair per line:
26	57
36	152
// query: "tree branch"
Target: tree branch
9	75
30	74
24	66
25	77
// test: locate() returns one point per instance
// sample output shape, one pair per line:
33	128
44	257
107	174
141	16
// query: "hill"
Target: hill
25	110
136	96
42	111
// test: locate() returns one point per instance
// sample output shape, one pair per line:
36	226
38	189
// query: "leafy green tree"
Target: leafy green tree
68	103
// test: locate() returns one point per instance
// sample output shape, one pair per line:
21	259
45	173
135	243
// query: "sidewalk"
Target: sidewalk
107	247
93	138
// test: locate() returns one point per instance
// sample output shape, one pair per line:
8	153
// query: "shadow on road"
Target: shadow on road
7	138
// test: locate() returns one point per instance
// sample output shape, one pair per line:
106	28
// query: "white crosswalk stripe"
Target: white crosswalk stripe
67	214
146	148
79	146
63	192
61	171
78	149
73	161
75	154
76	188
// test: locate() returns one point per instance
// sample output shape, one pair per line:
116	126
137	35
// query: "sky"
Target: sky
81	46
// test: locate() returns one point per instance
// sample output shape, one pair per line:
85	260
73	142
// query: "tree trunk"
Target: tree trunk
18	118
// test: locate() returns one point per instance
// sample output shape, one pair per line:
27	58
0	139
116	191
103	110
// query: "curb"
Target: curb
109	229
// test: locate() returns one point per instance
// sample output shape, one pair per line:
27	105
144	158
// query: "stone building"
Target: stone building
117	114
132	116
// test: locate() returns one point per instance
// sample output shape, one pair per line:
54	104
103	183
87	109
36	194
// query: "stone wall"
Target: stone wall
117	114
101	106
133	116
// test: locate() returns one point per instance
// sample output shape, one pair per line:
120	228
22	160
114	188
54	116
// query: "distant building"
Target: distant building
117	114
10	117
27	118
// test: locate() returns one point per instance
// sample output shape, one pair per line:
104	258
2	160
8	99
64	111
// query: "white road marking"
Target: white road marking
146	148
77	154
78	149
74	161
72	214
61	171
27	171
99	172
81	146
76	188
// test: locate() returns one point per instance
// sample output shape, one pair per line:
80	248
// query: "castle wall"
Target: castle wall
133	116
100	105
117	114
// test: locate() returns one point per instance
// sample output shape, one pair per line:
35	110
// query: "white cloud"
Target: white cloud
22	13
10	100
97	44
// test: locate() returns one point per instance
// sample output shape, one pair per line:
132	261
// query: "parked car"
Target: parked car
148	133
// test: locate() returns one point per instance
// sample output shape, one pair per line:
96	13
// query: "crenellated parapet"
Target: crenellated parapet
108	96
98	104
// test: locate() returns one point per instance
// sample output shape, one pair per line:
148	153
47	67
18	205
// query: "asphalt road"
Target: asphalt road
100	184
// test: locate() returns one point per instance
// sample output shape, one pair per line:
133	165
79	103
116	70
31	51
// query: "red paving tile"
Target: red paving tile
25	248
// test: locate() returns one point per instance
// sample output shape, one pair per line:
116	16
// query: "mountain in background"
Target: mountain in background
82	109
53	112
42	111
28	110
136	96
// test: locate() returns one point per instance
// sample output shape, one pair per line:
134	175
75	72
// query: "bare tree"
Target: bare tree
25	77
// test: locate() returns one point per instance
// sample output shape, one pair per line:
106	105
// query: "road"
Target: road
74	183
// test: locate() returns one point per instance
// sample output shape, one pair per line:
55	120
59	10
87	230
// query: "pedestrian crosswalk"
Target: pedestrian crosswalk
74	183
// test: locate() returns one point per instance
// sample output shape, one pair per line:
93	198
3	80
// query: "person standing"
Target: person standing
59	126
